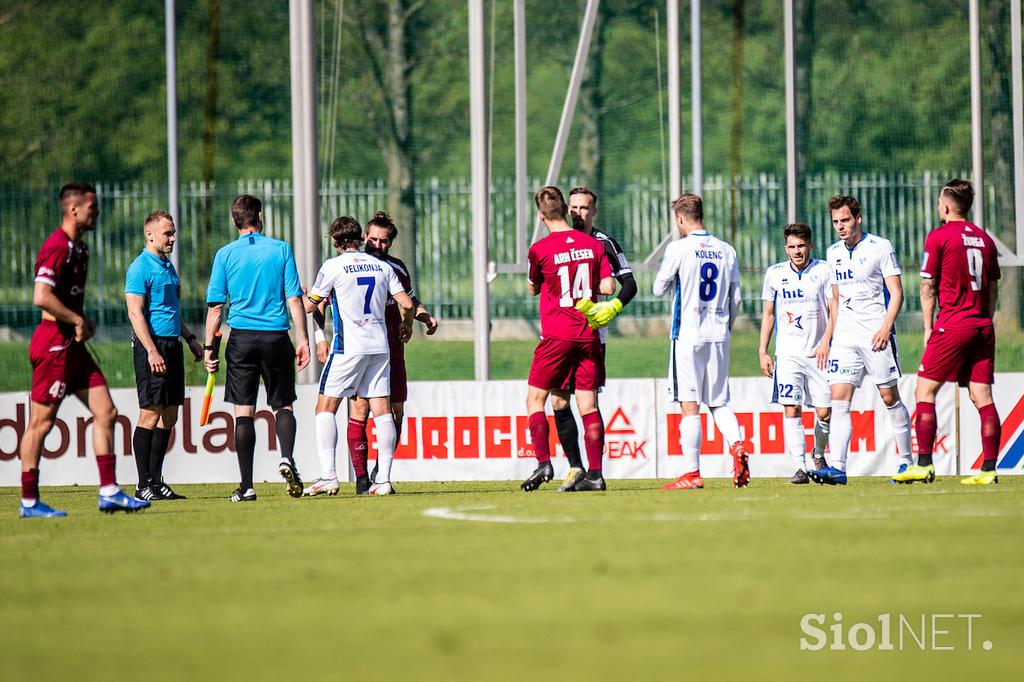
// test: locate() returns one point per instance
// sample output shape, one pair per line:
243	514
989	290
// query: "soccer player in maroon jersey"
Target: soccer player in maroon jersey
381	232
961	268
61	364
566	267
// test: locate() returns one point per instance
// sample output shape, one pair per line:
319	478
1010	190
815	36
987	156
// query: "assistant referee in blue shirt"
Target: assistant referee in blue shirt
257	276
152	293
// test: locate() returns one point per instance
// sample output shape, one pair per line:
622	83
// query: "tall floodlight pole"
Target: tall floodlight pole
480	189
170	32
675	173
696	98
522	212
302	42
977	153
1018	124
792	177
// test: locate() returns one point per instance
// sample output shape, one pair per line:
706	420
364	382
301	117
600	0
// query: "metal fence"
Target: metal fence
748	211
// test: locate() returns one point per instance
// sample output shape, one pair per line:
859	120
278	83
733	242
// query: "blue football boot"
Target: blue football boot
828	476
121	501
39	510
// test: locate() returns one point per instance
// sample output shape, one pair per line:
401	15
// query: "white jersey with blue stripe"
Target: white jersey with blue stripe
860	275
704	276
358	285
801	305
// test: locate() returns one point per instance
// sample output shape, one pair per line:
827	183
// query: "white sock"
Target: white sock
900	418
689	440
327	443
725	420
108	490
26	502
796	441
386	437
840	432
820	437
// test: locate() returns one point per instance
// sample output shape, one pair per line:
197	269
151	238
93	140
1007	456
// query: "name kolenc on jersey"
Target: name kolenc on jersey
708	253
573	254
362	267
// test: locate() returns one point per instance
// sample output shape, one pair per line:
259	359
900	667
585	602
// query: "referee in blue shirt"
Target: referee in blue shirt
258	277
152	294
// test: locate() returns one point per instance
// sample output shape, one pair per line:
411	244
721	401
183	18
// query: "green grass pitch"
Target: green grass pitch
481	581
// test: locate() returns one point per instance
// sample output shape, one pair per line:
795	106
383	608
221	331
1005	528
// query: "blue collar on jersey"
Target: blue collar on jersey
249	234
800	273
165	263
701	233
863	238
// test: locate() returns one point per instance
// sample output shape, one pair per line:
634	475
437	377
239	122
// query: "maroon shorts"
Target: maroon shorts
60	365
962	355
399	377
602	374
559	363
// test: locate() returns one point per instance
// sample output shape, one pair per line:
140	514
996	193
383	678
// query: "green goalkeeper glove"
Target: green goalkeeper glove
604	312
585	306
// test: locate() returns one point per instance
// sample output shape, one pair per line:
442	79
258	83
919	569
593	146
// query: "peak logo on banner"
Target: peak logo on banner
1011	440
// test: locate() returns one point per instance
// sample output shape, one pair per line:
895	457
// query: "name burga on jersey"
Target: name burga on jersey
571	255
362	267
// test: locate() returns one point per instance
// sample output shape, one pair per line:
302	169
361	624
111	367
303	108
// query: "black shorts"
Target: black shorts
160	389
254	354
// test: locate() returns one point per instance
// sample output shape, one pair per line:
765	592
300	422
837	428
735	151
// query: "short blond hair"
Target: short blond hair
690	206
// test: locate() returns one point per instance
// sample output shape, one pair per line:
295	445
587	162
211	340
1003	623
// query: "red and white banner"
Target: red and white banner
467	430
1008	394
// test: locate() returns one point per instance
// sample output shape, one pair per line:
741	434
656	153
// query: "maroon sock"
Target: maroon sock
924	427
540	432
106	464
357	447
991	432
30	484
593	438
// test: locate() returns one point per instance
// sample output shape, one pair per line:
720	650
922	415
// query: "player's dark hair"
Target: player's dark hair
346	232
74	190
798	230
158	214
245	212
550	203
961	194
583	189
382	219
840	200
689	205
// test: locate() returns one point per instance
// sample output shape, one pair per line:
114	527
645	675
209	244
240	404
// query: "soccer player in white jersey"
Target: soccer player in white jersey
358	285
702	272
869	291
800	309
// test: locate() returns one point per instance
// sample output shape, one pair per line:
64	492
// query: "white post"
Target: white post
522	212
1017	84
480	189
170	33
790	67
696	98
977	152
569	107
675	173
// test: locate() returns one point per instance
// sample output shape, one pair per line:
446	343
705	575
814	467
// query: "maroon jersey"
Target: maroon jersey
567	267
961	258
63	265
392	313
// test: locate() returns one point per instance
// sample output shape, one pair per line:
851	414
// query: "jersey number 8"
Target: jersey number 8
708	285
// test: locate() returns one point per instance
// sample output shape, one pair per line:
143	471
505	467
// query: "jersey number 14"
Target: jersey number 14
580	288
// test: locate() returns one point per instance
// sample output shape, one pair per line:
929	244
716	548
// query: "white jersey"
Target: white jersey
704	276
801	305
358	285
860	275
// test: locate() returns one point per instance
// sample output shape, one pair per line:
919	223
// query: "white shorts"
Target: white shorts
798	381
368	376
850	364
699	372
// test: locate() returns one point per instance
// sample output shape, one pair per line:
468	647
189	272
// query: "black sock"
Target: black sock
245	446
988	465
141	440
594	474
924	459
158	450
569	436
284	426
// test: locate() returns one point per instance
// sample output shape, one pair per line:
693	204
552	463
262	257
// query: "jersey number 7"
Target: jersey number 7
369	283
